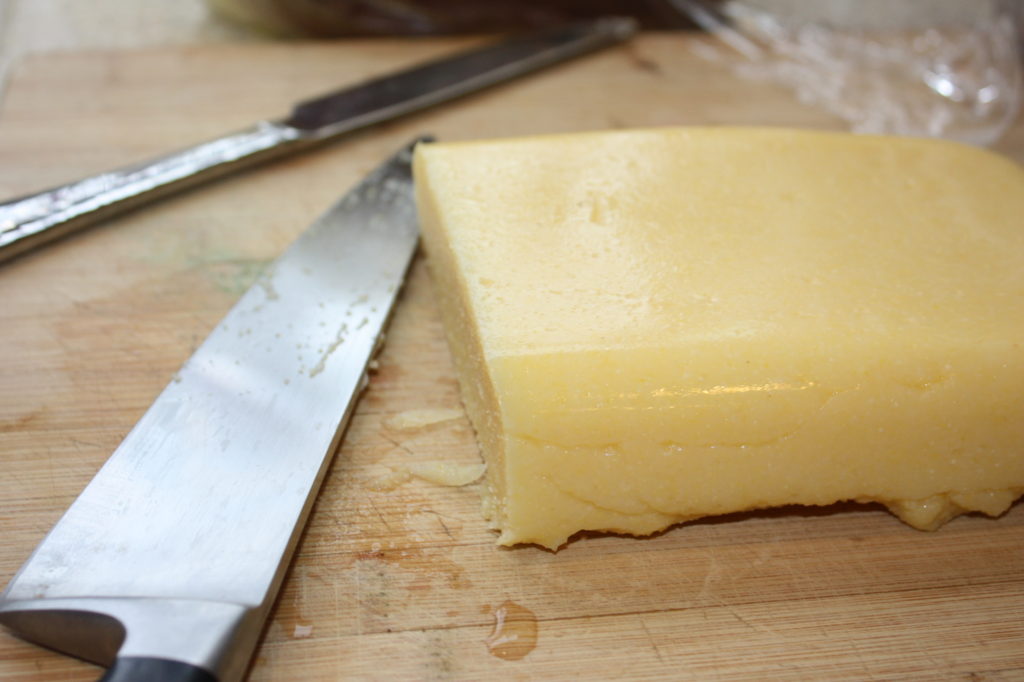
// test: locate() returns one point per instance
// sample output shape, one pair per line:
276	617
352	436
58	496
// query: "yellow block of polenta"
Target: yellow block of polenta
652	326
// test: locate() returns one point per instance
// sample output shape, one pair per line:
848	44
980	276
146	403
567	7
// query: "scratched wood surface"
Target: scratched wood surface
407	583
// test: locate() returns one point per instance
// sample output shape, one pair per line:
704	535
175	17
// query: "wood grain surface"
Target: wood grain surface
407	583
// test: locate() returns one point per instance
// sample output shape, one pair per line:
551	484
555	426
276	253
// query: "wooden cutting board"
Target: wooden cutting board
407	583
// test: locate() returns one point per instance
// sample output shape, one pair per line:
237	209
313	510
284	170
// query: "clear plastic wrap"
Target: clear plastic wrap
953	74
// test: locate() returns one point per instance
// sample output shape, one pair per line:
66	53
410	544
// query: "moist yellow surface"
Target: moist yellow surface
652	326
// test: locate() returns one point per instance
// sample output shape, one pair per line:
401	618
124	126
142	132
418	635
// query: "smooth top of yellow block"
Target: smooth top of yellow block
654	238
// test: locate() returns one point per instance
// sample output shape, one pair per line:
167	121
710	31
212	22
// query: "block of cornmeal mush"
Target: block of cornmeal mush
657	325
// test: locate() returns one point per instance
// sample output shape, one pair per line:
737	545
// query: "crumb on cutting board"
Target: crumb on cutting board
448	474
410	420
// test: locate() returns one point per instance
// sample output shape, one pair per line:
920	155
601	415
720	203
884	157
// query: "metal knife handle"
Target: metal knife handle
29	221
143	669
34	220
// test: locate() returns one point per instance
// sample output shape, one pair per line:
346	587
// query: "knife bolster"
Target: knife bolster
89	635
216	636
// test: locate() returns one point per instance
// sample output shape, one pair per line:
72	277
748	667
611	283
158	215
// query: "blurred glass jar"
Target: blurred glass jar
333	18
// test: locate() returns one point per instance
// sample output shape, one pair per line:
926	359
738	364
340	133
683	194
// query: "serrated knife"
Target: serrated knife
168	562
30	221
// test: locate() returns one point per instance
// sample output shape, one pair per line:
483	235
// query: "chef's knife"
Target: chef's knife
170	558
33	220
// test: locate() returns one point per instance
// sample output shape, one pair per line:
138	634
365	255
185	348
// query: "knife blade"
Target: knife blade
30	221
169	560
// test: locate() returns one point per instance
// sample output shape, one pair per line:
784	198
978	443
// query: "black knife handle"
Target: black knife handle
144	669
